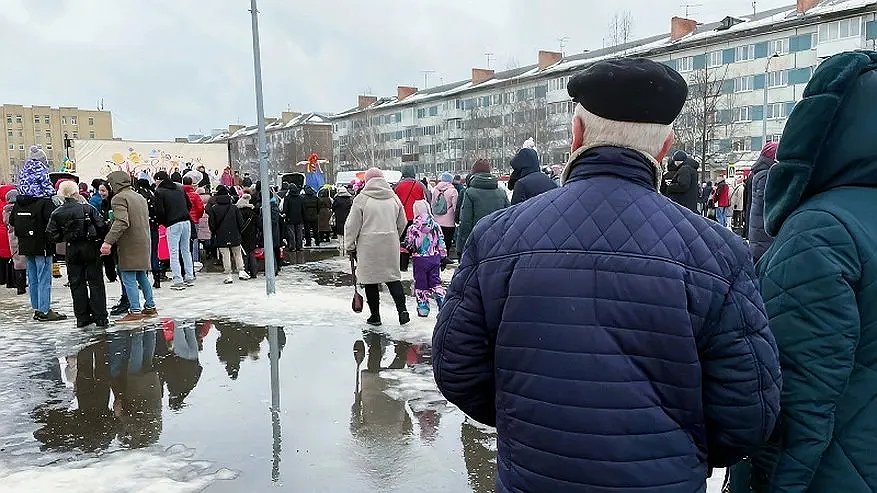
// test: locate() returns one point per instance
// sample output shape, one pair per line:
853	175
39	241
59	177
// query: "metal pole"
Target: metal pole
263	157
764	108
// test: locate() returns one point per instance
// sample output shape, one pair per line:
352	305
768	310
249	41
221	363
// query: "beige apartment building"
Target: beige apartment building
24	126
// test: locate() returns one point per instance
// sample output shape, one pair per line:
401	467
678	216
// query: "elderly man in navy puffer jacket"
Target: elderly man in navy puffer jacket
616	340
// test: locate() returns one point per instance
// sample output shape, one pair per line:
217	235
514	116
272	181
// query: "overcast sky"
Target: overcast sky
168	68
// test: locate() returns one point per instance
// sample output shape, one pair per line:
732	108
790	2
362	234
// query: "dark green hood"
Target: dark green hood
829	139
484	181
117	180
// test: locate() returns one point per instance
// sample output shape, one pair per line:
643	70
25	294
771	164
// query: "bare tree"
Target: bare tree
363	140
620	28
708	114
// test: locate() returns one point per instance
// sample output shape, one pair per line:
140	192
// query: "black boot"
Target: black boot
373	300
156	280
21	281
398	295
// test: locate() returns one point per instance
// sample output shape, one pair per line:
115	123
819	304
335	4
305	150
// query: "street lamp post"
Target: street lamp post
764	110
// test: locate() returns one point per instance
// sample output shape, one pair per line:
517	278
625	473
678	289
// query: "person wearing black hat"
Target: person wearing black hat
681	184
616	340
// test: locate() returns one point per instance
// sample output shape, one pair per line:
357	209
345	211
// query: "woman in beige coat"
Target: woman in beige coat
371	236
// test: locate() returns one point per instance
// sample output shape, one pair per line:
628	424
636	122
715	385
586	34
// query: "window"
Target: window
714	59
779	46
433	111
90	135
742	114
743	84
11	147
63	120
48	135
73	120
421	113
745	53
685	64
778	79
774	137
776	111
9	133
36	119
741	144
17	118
409	148
91	121
46	119
9	119
48	147
75	135
845	28
20	147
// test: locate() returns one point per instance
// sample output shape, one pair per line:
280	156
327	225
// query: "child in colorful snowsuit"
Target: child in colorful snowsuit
427	246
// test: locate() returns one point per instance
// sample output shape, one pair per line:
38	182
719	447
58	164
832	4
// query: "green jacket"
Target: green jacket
819	283
482	197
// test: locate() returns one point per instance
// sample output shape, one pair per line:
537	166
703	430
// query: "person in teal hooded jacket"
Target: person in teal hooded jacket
819	283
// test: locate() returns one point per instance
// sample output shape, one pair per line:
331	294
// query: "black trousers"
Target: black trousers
7	273
373	297
312	231
448	233
294	236
89	293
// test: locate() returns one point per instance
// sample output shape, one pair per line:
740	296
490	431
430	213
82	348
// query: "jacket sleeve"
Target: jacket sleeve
100	225
741	374
518	195
401	219
54	234
463	347
121	222
682	181
159	208
808	290
467	221
211	222
353	226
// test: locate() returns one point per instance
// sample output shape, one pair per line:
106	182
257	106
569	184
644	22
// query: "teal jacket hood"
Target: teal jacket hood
829	140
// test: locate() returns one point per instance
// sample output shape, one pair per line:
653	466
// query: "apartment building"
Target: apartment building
24	126
731	66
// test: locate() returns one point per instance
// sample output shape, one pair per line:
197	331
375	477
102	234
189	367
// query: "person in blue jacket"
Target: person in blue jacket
616	340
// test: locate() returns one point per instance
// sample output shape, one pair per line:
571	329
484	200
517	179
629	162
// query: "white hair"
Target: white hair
647	138
68	189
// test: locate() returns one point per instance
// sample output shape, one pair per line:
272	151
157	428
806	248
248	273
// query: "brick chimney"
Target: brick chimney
232	129
548	58
366	101
403	92
805	5
681	27
288	116
480	75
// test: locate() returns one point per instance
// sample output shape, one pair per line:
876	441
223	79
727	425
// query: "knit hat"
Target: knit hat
12	196
770	150
37	154
421	208
446	177
481	166
680	156
373	173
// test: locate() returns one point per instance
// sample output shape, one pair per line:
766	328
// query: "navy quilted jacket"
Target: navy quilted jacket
616	340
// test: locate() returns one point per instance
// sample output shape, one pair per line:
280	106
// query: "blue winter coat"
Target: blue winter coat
529	181
616	340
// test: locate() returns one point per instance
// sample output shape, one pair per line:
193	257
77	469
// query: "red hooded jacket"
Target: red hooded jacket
5	251
410	191
197	209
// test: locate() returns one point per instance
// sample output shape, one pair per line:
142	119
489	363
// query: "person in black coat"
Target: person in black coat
249	228
293	213
226	223
341	207
311	214
82	228
682	187
529	180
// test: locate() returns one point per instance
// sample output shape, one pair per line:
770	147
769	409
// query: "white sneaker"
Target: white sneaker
228	280
198	266
243	276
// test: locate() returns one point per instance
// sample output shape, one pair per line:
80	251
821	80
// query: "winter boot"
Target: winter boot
422	309
156	280
440	301
374	307
404	318
21	281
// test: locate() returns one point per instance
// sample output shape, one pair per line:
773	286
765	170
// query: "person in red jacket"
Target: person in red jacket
721	199
409	191
6	270
196	212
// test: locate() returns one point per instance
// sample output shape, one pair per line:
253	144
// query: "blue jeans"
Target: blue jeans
156	264
39	276
722	216
131	280
185	341
196	245
179	241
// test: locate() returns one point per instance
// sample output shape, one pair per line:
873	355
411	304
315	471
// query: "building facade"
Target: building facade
291	139
24	126
732	66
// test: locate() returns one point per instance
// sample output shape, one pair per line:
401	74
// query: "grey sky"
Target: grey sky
168	68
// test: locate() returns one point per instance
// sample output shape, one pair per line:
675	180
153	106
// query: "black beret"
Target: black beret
630	90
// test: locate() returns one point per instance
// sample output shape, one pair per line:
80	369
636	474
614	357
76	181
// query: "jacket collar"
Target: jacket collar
626	164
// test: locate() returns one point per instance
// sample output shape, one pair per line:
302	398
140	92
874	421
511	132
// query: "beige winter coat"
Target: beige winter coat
376	222
130	226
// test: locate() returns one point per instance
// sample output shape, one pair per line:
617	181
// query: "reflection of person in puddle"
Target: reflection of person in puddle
240	341
180	369
90	427
480	458
135	386
377	420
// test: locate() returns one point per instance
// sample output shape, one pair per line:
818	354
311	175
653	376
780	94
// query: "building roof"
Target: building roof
657	45
313	118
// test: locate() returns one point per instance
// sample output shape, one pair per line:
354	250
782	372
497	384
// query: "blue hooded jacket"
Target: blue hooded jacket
616	340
